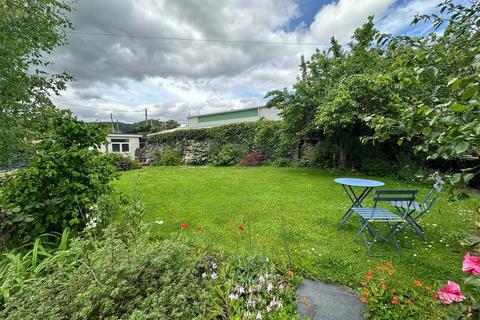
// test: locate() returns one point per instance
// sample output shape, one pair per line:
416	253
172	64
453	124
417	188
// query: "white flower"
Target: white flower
259	315
281	286
214	265
214	276
204	275
270	287
261	279
269	308
233	296
240	290
246	314
253	303
159	222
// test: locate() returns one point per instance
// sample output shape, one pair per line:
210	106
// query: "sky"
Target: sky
121	66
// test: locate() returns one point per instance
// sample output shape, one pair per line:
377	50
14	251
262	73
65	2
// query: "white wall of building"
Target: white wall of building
270	114
125	144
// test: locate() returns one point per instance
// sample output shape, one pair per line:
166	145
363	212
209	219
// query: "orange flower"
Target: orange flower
418	283
380	267
395	300
384	287
365	292
290	273
369	272
391	272
410	302
363	299
369	277
389	264
363	283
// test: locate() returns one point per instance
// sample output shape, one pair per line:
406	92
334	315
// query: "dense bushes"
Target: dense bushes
122	162
229	155
60	183
168	158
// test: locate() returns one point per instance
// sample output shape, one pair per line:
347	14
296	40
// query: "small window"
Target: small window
119	140
125	147
115	147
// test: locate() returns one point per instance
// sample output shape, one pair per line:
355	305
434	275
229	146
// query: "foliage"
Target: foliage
252	159
19	265
229	155
60	183
389	296
122	162
439	78
29	31
154	126
141	280
168	158
196	153
250	288
377	167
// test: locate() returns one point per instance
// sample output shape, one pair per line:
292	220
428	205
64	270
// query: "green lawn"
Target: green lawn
309	204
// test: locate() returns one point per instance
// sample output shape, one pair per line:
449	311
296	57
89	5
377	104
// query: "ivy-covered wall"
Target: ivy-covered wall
261	135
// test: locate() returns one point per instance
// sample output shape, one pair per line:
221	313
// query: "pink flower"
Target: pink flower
450	293
471	264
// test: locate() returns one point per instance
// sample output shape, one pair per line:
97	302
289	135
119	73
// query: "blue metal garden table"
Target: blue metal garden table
348	184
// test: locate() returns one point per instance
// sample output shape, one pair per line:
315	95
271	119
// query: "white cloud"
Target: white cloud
173	78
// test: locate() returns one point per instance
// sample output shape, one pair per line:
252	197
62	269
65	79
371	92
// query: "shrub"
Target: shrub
254	158
168	158
281	162
122	162
377	167
387	296
116	281
229	155
53	192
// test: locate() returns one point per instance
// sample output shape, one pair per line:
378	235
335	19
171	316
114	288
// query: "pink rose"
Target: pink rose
450	293
471	264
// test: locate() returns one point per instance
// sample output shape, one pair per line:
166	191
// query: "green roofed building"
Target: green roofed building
232	116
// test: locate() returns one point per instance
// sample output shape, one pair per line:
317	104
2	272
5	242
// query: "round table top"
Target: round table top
359	182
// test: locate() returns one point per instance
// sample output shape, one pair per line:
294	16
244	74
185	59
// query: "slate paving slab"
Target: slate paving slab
327	301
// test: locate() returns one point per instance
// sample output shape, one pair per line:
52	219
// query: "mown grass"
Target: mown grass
309	205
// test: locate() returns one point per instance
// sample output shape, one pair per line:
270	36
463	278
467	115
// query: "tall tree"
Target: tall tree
29	31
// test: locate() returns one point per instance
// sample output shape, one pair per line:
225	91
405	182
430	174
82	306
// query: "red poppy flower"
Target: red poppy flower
241	228
184	226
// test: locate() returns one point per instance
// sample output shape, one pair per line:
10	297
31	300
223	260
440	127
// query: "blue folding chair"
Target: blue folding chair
418	209
370	217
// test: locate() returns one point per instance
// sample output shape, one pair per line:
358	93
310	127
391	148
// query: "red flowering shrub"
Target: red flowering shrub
252	159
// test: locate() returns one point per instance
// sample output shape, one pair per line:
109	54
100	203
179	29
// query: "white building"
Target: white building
124	143
233	116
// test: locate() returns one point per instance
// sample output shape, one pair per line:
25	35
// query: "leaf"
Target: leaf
457	107
468	176
462	147
468	93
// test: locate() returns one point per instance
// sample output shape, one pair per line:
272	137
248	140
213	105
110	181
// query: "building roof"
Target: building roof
222	112
125	135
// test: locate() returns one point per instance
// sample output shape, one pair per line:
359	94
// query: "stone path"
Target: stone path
325	301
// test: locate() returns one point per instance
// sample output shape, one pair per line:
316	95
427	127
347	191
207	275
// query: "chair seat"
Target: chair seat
411	206
377	214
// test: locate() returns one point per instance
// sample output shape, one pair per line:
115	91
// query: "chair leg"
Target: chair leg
393	232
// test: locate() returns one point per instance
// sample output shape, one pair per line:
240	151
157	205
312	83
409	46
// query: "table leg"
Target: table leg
356	202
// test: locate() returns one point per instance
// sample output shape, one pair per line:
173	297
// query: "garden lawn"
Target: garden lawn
307	204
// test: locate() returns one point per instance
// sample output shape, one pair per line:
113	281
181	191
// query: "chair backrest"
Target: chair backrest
432	195
406	196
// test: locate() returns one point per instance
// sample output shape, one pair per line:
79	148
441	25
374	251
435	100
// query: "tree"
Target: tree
335	90
442	118
29	30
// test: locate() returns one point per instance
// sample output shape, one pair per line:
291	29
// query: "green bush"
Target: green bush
229	155
116	281
122	162
60	183
377	167
168	158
